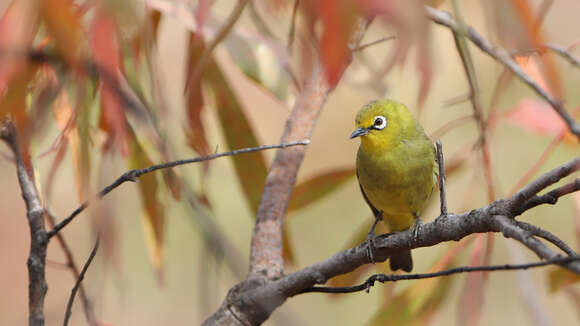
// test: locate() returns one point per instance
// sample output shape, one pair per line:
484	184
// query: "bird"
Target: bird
396	167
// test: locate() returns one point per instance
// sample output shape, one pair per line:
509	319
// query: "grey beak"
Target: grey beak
359	132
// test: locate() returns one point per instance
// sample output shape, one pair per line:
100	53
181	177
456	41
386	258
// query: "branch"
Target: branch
132	175
77	285
370	282
266	245
552	196
36	263
502	56
547	236
70	264
252	301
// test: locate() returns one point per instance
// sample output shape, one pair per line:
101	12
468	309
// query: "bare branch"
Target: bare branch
72	266
132	175
75	288
526	193
552	196
36	263
370	282
266	247
502	56
564	54
547	236
253	300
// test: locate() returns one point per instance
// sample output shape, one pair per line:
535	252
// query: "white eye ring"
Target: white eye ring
380	122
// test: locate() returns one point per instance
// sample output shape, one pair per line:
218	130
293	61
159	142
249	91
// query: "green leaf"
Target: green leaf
250	168
318	187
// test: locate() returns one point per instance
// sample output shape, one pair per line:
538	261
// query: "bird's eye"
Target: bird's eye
380	122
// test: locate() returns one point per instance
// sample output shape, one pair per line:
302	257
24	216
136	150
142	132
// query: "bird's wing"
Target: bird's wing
376	212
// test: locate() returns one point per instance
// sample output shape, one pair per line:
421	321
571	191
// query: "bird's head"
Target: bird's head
383	123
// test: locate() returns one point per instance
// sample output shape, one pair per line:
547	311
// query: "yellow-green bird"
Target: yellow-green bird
396	168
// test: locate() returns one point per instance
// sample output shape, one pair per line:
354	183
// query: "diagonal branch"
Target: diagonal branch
501	55
266	246
36	263
252	301
132	175
78	285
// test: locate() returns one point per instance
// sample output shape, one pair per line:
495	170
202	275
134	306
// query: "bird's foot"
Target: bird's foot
415	231
371	236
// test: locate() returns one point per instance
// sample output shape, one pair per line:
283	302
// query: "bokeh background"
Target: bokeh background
194	281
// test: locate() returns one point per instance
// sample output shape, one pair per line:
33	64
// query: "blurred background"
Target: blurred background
171	249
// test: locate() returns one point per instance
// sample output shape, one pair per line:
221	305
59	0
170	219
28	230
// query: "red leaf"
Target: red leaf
63	23
106	55
338	18
196	137
17	28
539	117
201	14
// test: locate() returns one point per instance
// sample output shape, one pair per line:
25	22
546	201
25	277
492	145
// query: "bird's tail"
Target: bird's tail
402	260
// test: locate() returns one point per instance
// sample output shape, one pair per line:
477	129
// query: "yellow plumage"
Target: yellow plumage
396	167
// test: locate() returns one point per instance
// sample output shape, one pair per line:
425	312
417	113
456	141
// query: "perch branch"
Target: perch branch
252	301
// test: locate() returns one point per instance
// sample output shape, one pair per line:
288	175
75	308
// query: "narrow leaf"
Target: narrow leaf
250	168
318	187
195	131
106	55
153	210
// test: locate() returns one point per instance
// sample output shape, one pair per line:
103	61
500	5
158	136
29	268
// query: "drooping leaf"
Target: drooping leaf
153	209
195	131
63	23
338	20
18	25
318	187
250	168
106	56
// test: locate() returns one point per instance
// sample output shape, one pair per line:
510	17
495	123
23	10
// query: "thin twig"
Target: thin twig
526	193
36	263
468	66
442	178
547	236
132	175
75	288
501	55
375	42
366	285
72	266
564	54
292	29
552	196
